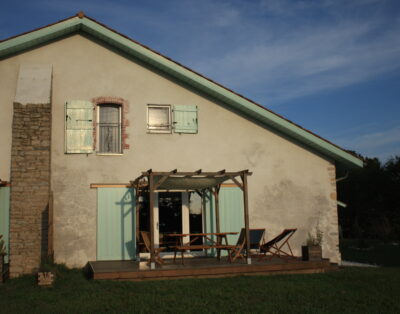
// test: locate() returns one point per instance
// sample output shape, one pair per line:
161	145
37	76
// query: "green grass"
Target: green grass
370	251
350	290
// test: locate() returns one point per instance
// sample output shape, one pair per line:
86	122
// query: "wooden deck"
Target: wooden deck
203	267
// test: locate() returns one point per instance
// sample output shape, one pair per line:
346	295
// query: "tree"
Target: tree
373	198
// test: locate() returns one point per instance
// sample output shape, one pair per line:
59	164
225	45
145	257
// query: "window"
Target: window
159	118
165	118
109	128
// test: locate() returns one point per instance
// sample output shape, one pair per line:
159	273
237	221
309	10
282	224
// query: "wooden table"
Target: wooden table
208	242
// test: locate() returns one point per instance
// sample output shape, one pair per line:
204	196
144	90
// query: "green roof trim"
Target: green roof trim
174	69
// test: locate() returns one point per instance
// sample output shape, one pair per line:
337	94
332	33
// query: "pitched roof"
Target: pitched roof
247	107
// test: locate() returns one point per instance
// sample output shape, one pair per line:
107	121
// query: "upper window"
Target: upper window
159	118
109	128
165	119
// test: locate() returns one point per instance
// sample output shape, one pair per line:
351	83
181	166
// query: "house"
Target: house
85	110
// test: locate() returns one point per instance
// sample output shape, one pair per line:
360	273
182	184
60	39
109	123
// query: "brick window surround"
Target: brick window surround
125	122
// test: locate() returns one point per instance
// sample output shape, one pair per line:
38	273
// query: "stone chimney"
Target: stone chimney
30	169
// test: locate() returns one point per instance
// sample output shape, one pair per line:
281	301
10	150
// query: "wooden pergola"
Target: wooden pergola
197	181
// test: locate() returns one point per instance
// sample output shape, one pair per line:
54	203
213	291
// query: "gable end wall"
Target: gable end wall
290	187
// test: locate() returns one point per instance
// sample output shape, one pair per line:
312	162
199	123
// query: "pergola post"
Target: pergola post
151	205
204	212
246	216
216	202
137	216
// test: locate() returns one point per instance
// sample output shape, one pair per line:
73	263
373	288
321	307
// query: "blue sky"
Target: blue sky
332	66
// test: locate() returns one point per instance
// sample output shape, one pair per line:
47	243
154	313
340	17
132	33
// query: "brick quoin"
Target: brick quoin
125	122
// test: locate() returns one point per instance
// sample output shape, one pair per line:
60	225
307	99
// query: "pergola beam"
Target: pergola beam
240	185
162	180
196	173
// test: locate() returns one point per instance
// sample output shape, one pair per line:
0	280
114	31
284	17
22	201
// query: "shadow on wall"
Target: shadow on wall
44	233
127	215
288	205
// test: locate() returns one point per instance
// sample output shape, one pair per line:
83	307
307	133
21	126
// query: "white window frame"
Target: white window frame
98	152
154	129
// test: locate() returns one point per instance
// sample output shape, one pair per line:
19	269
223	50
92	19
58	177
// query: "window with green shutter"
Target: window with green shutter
185	119
78	127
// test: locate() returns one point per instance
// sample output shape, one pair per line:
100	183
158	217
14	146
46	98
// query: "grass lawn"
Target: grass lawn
370	251
350	290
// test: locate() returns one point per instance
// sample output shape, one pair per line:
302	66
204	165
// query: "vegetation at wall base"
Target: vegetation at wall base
373	252
349	290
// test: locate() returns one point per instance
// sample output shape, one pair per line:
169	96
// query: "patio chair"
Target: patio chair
276	246
256	236
146	240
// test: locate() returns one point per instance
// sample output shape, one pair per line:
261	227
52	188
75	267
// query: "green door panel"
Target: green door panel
231	213
116	239
4	215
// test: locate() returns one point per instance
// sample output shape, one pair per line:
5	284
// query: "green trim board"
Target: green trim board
5	215
116	225
243	105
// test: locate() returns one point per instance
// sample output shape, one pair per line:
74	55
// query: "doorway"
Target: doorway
174	213
169	217
195	217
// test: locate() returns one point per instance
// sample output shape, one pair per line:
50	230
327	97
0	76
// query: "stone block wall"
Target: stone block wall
30	186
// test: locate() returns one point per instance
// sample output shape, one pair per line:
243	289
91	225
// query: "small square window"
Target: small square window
159	119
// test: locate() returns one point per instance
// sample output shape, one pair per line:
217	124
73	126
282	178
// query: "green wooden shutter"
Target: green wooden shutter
78	126
4	216
116	238
231	213
185	119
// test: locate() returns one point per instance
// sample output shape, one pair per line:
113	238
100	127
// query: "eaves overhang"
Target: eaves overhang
195	80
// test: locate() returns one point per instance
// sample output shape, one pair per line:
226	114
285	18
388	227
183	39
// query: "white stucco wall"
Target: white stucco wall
290	187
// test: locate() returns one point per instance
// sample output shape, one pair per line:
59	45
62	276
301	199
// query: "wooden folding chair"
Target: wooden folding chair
275	247
256	236
146	240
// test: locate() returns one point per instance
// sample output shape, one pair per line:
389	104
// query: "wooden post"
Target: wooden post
216	202
204	213
151	208
137	210
217	221
246	216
